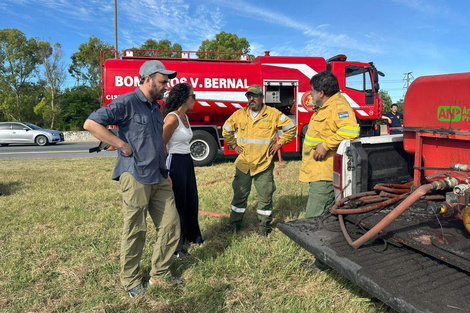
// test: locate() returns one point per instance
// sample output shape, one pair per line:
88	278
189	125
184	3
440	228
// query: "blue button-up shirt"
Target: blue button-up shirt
140	124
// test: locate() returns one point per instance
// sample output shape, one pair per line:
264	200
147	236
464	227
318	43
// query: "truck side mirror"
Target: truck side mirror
376	74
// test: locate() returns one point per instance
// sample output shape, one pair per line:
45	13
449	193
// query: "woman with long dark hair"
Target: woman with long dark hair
176	135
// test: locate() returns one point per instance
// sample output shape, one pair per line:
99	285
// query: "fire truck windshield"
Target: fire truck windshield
358	78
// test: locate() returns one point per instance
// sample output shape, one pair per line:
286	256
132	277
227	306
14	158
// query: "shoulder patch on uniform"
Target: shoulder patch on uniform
343	114
282	118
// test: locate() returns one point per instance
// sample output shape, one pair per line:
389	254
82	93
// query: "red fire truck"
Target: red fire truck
220	85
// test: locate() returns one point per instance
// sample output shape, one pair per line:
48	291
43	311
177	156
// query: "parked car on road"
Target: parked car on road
25	133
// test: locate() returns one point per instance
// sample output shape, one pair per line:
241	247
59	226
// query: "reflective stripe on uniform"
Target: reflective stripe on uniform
255	140
349	131
311	141
288	126
238	210
264	212
227	128
282	118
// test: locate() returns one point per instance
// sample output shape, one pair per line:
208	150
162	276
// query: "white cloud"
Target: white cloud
418	5
257	49
72	11
173	20
182	21
322	38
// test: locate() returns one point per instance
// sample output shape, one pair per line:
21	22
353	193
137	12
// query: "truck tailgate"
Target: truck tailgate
401	277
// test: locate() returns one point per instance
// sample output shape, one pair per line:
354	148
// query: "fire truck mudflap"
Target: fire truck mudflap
402	277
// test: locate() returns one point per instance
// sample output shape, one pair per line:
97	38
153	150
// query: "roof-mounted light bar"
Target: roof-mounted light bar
338	58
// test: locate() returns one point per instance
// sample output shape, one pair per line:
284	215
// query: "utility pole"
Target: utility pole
407	79
115	26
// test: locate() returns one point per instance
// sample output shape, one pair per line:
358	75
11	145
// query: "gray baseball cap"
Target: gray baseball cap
154	66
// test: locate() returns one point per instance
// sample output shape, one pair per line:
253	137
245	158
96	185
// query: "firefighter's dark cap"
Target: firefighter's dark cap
154	66
254	89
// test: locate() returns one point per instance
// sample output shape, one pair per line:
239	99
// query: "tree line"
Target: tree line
33	75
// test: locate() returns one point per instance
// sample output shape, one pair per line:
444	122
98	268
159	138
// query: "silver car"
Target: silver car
25	133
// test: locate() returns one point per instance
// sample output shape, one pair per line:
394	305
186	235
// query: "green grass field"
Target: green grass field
60	234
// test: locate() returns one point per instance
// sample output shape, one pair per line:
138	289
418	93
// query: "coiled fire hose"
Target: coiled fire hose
389	194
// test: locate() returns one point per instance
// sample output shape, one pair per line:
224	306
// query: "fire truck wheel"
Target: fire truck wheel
203	148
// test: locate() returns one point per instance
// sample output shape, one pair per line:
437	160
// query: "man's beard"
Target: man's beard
317	103
255	106
154	93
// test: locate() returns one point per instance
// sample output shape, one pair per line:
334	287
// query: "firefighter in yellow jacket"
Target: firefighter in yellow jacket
256	128
332	122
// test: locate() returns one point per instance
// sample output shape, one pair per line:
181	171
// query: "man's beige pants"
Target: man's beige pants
159	201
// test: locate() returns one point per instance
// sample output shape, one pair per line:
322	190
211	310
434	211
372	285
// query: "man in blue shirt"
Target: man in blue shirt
394	120
141	172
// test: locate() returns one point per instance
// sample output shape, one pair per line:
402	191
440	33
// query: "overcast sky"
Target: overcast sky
424	37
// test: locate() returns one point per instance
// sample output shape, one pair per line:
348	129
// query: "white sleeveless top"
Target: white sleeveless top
179	141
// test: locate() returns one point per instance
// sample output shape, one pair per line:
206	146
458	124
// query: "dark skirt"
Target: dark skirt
186	197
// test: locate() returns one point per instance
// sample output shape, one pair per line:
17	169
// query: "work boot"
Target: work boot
235	221
264	227
233	227
263	231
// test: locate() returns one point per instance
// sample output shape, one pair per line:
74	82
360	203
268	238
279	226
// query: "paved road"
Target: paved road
60	150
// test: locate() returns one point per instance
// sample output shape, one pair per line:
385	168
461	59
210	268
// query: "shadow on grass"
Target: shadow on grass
289	207
10	188
208	298
217	239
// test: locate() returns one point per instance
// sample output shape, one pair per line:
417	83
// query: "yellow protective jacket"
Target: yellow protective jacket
257	137
332	123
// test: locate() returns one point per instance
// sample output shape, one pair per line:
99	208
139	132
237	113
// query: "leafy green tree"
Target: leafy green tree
224	42
76	105
386	103
18	62
400	105
53	75
386	99
164	44
86	63
31	95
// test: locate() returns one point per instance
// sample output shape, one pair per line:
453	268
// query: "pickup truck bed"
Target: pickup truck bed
401	276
